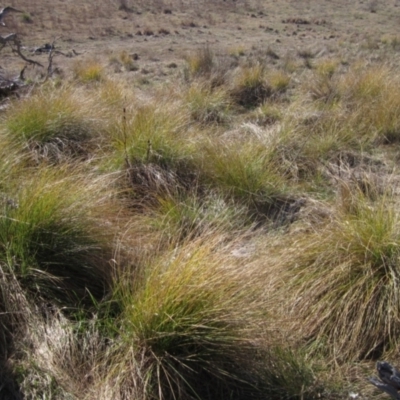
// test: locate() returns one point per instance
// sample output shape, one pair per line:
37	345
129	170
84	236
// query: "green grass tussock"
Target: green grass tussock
193	321
50	239
288	375
363	101
345	281
155	124
374	96
279	81
201	63
154	148
206	66
247	172
12	159
207	106
312	140
54	123
189	216
89	72
251	87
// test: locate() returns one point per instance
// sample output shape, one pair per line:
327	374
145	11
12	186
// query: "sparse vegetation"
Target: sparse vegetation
26	17
128	62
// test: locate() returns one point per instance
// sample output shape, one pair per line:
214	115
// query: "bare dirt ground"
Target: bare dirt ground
158	34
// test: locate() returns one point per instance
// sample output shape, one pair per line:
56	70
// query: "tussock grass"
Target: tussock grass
267	114
355	112
128	62
344	280
12	159
191	216
50	239
323	85
251	87
154	122
114	96
243	250
89	71
363	101
15	309
201	62
153	147
288	375
54	124
190	327
313	139
206	66
207	106
15	314
237	51
327	67
278	80
248	172
391	41
27	18
60	358
54	254
373	95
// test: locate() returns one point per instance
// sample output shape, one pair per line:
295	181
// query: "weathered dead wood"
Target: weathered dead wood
50	63
15	44
5	39
389	379
9	86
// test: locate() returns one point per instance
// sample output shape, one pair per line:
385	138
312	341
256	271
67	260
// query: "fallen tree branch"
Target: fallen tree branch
388	381
11	40
50	64
5	39
9	86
